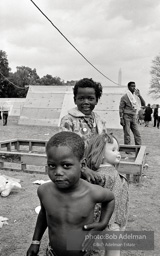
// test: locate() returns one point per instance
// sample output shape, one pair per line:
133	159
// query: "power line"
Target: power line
72	44
11	82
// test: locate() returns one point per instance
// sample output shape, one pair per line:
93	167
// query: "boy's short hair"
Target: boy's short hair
88	83
69	139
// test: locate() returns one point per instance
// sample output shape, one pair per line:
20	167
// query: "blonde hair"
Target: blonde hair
94	150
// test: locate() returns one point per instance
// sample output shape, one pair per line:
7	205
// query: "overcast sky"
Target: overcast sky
111	34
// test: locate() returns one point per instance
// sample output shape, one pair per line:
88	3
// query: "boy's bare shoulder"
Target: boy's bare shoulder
45	186
97	193
94	187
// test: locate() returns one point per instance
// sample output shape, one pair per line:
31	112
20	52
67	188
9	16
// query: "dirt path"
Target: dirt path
19	207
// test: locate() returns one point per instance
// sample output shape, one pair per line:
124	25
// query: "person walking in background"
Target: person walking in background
155	115
147	115
128	107
4	113
158	116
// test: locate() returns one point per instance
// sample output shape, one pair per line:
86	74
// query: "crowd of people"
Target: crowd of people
147	114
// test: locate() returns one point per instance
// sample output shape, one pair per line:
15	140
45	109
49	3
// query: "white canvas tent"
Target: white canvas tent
14	104
45	105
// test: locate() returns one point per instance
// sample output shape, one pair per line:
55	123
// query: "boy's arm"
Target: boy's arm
121	110
107	208
40	228
106	198
41	225
90	175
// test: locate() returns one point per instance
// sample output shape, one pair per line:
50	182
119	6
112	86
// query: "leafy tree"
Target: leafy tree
11	90
25	76
16	84
19	91
71	82
58	81
4	67
4	71
47	80
155	80
8	88
50	80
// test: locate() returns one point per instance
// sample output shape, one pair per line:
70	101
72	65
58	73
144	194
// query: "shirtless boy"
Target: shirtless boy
67	201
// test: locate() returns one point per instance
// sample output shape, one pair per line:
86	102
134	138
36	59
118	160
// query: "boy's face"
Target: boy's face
64	168
85	100
111	153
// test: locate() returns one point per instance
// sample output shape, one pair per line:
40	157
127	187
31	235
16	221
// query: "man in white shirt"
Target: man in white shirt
128	107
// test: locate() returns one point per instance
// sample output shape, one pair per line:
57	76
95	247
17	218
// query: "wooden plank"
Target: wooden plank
25	170
21	153
32	143
9	144
125	146
38	143
17	146
26	159
1	164
21	142
34	159
6	141
23	167
129	148
129	168
135	168
30	146
140	155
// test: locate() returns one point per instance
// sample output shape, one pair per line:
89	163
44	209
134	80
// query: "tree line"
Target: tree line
15	85
155	78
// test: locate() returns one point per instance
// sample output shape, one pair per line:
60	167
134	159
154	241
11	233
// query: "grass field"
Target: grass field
19	207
